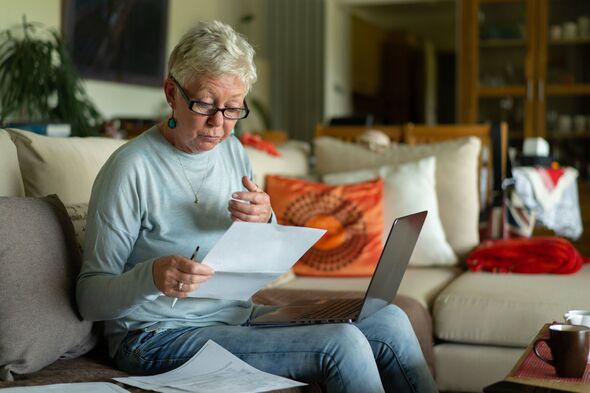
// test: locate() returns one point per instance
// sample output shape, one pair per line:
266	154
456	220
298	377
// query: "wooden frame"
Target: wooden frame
350	133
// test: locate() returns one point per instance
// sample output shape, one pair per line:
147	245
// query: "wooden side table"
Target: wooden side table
532	376
513	387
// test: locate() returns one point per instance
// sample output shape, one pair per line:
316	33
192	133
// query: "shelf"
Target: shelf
503	43
556	89
509	67
570	41
585	135
501	91
500	1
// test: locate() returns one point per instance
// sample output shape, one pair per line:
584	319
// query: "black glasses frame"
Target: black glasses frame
191	103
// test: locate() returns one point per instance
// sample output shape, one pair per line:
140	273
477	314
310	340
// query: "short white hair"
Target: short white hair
212	49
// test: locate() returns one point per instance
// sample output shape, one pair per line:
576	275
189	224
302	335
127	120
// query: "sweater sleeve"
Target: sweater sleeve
108	287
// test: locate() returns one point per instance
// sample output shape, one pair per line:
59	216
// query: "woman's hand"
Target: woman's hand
177	276
257	210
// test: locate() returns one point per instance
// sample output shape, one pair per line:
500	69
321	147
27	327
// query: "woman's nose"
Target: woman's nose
216	119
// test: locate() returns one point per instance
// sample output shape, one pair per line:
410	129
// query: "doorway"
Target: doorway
404	62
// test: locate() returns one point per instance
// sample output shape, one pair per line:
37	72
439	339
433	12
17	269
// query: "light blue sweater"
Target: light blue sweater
142	207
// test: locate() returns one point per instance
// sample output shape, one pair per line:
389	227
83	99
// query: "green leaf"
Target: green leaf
40	82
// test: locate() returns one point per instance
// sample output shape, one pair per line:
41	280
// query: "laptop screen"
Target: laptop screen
393	262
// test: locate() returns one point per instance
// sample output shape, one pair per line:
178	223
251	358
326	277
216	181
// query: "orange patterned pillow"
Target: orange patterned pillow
352	214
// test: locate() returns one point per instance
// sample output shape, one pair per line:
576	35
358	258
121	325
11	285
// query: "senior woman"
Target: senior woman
181	184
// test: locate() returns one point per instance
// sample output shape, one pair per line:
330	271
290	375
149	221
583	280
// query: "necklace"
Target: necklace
195	193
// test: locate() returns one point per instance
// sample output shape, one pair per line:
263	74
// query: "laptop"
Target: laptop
385	282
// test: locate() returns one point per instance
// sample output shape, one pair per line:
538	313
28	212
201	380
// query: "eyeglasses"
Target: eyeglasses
206	109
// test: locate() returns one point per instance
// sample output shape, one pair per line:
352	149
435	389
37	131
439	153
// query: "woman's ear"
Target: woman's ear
170	92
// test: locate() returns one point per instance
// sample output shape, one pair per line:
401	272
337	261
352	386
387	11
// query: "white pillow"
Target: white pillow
457	163
409	188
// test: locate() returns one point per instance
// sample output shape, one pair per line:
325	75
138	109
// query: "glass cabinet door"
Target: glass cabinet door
564	82
505	65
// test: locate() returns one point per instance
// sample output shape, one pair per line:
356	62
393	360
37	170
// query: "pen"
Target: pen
192	259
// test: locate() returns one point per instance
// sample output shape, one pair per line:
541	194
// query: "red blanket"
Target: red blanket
553	255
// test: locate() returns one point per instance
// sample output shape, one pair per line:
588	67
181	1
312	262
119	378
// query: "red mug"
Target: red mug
569	345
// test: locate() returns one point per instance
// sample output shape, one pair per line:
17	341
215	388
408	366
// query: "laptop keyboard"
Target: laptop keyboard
335	309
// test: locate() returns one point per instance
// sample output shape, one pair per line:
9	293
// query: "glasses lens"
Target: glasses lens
235	113
203	108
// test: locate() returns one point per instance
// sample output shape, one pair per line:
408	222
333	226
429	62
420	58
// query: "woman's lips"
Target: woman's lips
209	137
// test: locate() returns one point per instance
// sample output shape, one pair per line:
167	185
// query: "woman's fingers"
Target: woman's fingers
176	276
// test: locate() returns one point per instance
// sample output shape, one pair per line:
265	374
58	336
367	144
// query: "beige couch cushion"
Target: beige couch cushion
11	183
39	261
456	178
420	283
63	166
507	309
294	161
469	368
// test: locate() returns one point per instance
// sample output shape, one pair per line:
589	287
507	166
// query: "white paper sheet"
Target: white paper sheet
86	387
250	255
212	370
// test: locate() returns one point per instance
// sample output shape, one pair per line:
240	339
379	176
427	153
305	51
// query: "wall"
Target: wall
433	20
125	100
337	60
430	27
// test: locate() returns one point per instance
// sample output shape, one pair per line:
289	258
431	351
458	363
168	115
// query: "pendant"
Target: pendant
196	199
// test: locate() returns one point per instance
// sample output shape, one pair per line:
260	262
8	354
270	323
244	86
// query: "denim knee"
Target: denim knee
388	319
350	340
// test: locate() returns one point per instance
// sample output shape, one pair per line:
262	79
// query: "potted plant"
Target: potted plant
39	82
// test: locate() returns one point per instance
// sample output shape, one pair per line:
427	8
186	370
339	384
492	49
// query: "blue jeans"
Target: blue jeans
378	354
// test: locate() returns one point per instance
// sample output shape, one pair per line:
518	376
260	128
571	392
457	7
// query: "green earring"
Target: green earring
172	121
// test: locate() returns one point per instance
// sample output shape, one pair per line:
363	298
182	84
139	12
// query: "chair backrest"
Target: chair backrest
350	133
494	142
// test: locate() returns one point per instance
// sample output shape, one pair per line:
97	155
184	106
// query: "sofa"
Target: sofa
45	185
472	326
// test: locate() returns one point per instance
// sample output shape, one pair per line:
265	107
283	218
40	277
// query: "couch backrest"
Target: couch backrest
11	183
36	165
63	166
494	148
461	150
494	143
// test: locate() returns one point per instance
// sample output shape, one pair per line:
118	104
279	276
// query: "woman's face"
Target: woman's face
195	132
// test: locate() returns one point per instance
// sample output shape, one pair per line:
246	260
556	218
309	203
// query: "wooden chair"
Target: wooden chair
276	137
350	133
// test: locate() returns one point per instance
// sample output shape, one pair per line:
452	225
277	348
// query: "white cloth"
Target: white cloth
546	192
556	208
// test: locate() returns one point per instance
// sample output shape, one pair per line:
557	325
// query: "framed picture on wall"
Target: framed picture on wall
119	41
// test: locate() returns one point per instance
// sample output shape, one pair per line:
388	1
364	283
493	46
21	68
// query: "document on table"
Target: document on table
86	387
212	370
250	255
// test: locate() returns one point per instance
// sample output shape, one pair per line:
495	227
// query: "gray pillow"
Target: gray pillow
39	262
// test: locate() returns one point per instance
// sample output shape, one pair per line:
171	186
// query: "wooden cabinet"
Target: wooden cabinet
527	62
